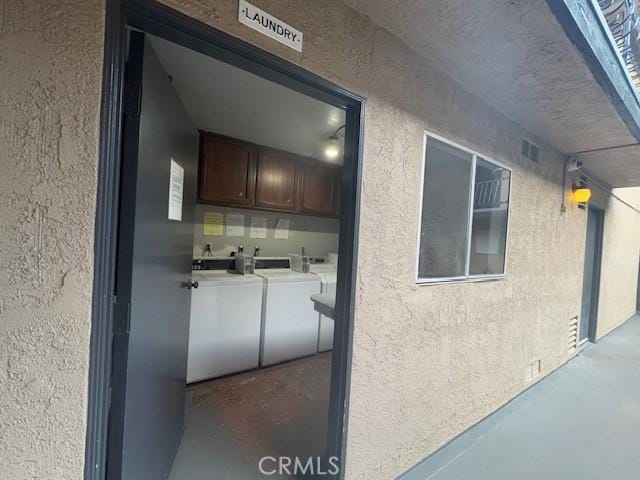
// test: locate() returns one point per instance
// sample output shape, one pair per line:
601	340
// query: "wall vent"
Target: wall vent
530	151
573	336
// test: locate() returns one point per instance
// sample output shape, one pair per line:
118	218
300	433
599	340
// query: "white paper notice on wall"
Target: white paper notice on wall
176	191
282	229
258	227
269	25
235	225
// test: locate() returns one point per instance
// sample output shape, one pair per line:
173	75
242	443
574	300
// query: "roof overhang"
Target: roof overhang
551	66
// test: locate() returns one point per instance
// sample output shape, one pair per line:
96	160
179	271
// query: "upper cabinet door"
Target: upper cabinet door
227	171
320	187
277	180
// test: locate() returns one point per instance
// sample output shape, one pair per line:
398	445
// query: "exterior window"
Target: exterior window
464	214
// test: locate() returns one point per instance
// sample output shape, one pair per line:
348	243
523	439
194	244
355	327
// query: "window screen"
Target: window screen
450	245
445	211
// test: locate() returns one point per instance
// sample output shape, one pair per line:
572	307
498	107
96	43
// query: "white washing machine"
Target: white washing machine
289	321
224	331
328	278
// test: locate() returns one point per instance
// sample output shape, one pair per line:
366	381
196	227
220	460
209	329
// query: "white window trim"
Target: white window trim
467	278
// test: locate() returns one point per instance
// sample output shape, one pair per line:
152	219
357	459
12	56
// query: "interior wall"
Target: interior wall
318	235
620	256
51	74
435	359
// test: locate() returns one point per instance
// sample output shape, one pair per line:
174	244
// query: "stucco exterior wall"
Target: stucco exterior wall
620	254
50	77
428	362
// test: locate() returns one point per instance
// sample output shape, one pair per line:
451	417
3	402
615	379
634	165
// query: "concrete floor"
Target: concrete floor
580	422
234	421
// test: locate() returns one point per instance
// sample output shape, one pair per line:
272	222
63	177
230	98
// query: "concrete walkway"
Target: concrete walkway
581	422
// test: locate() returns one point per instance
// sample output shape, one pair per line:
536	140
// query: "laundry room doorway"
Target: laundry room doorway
221	214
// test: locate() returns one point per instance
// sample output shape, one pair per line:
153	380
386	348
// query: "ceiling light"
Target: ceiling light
332	148
331	151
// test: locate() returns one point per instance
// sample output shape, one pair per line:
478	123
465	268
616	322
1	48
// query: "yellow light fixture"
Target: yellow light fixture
582	194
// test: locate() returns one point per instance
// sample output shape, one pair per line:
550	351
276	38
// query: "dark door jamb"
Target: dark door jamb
597	264
154	18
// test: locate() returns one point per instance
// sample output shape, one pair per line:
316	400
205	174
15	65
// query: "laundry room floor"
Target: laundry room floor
234	421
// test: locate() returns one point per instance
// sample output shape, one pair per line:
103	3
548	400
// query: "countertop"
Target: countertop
325	303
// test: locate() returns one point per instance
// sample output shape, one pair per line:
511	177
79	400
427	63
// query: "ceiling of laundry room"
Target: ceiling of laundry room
224	99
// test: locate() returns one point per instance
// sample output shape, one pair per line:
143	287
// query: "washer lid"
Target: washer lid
221	277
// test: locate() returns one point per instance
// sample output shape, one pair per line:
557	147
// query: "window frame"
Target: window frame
467	277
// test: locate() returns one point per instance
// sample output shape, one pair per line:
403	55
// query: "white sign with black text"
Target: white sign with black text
269	25
176	190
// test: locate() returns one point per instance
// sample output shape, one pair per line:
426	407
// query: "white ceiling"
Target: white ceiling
224	99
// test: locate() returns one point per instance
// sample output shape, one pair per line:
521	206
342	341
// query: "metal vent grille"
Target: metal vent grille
573	336
530	151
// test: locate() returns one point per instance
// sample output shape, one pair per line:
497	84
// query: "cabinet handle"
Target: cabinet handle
288	200
240	194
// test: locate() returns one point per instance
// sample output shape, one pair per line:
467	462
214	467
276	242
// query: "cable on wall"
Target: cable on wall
609	191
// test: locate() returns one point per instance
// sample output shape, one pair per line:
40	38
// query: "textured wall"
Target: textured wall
429	361
620	255
50	73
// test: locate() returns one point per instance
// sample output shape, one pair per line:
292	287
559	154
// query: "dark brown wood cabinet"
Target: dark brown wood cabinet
227	171
277	180
241	174
320	186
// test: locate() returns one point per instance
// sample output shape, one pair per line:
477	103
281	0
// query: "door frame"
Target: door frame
597	265
157	19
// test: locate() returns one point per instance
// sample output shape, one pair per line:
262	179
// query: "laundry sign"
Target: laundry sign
269	25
